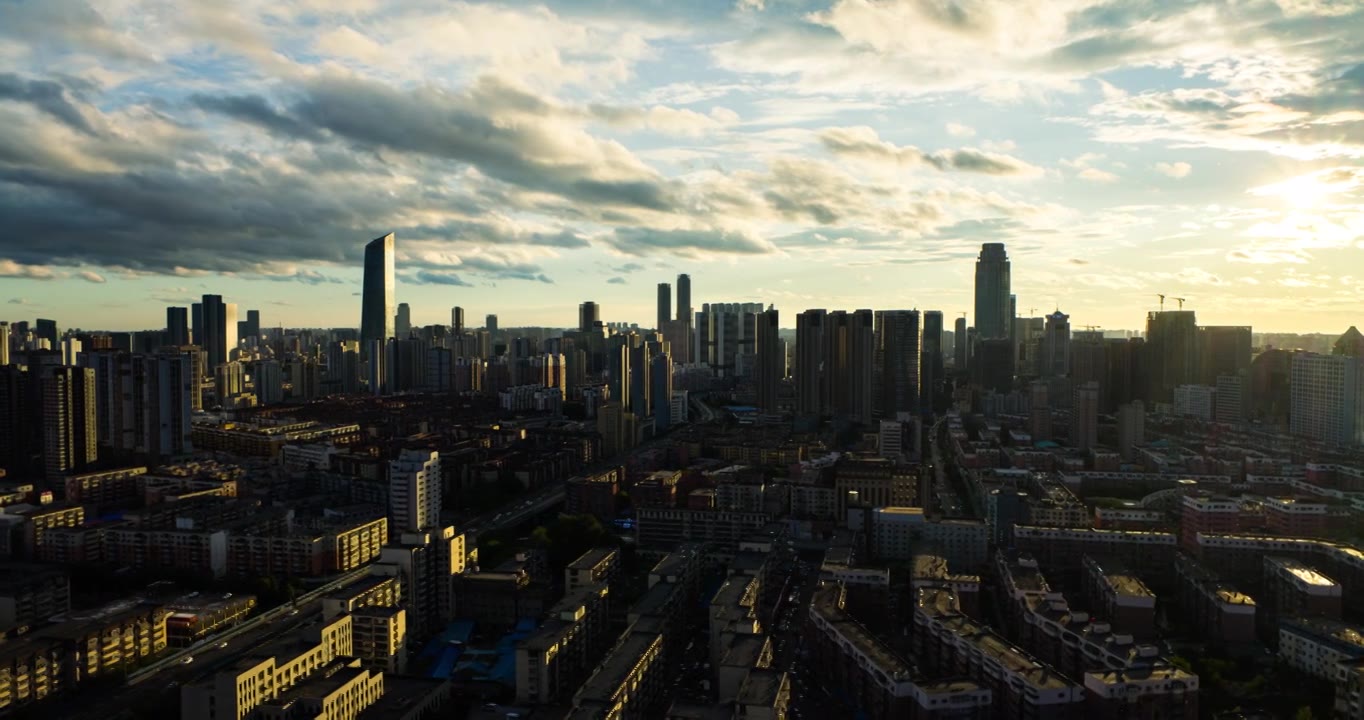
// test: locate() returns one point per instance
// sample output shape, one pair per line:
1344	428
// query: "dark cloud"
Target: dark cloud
616	281
436	277
865	143
255	110
46	95
629	267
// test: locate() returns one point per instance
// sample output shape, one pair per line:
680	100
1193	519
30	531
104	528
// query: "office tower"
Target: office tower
1029	334
1269	393
168	386
641	380
665	305
47	330
439	371
220	329
931	366
177	326
377	301
725	333
457	320
1084	416
250	327
1351	343
229	381
1232	398
618	373
992	366
849	355
1055	359
71	349
414	491
4	343
992	313
402	322
1131	429
588	316
771	359
685	352
661	381
1171	352
1223	350
490	324
1039	409
809	362
268	377
376	367
896	361
68	419
959	345
1326	403
196	314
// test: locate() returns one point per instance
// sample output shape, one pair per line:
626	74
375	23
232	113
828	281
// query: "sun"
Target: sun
1313	189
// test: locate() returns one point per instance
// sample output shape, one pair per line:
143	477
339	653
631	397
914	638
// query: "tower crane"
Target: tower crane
1162	301
1181	302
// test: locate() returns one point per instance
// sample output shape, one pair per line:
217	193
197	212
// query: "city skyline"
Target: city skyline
792	153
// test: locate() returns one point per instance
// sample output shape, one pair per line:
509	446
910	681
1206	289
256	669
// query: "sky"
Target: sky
842	154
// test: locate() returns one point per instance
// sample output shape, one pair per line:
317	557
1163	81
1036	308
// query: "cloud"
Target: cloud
959	130
864	142
436	277
91	276
255	110
616	281
645	241
20	301
1175	170
1097	175
45	95
12	269
630	267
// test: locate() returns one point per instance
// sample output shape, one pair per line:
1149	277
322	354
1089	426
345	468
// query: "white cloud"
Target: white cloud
1097	175
1175	169
959	130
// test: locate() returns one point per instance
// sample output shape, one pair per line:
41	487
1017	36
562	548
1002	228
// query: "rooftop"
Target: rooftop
593	558
826	602
762	687
1302	574
617	667
1118	579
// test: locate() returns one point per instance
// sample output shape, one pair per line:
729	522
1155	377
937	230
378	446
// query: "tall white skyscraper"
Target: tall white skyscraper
414	491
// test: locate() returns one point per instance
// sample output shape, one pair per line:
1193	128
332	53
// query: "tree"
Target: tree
1304	713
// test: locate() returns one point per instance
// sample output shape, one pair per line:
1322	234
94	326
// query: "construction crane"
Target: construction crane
1162	301
1032	312
1181	302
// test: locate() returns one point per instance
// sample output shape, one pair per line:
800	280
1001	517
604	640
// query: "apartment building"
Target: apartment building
657	527
341	690
1120	597
380	638
627	683
1141	551
597	566
31	594
559	655
1316	646
1217	609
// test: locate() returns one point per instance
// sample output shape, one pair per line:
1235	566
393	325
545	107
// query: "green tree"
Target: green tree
1304	713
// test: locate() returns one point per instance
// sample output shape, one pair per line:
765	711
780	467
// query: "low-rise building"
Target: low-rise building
1316	646
194	618
1216	609
628	683
657	527
1120	597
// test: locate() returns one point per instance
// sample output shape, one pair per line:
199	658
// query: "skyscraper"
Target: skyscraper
1171	352
665	305
959	340
1327	398
177	326
47	330
809	359
457	320
661	389
402	322
68	419
931	366
220	329
897	359
589	314
993	308
1223	350
684	297
196	315
268	377
1084	416
414	490
685	352
771	359
849	354
1131	429
490	324
1055	357
251	327
377	301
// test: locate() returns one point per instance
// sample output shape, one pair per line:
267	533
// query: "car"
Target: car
222	645
186	659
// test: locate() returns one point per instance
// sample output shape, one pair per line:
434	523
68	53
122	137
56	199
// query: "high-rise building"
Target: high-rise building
1171	352
992	364
1131	429
1350	343
992	313
685	352
1055	358
849	356
661	389
47	330
1232	398
589	314
68	419
414	490
268	377
1223	350
377	302
1039	409
1269	392
402	322
457	320
1326	402
177	326
1084	416
809	362
725	335
4	343
71	350
1126	377
959	345
250	327
931	366
220	329
490	324
771	354
665	305
196	316
896	361
229	381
